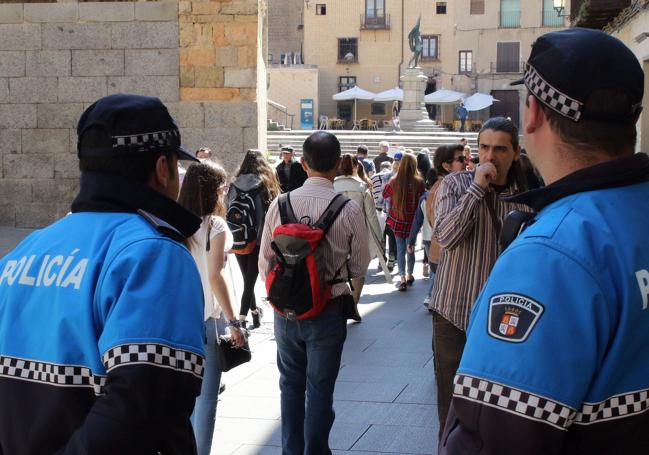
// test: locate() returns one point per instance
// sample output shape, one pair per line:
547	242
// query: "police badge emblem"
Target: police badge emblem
512	317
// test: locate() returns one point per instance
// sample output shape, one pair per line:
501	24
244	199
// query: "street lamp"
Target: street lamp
559	7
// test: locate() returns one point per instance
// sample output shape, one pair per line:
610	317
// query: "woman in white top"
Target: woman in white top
203	190
349	184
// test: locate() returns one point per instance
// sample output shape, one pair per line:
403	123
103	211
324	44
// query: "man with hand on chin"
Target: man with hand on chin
469	214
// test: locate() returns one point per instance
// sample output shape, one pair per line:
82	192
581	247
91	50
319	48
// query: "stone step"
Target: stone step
350	140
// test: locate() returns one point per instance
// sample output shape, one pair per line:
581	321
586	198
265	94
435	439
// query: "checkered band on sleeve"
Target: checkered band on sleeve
616	407
51	373
149	141
154	354
519	402
550	96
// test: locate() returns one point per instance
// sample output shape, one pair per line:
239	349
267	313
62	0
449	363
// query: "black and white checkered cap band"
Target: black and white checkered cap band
148	141
550	96
616	407
515	401
154	354
51	373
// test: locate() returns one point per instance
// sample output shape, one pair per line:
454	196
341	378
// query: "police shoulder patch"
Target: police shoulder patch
513	316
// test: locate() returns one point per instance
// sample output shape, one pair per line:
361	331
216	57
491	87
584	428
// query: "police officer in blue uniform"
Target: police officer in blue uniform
557	356
101	313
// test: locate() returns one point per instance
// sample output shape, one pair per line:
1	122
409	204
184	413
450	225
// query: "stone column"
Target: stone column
413	115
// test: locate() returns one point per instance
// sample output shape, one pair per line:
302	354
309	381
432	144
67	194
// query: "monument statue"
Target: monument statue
416	45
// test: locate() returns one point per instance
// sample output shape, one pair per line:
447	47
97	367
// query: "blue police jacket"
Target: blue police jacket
101	329
557	353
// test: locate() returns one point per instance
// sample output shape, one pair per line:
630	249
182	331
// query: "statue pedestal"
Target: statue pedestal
413	115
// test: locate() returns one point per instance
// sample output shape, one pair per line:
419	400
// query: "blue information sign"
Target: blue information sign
306	113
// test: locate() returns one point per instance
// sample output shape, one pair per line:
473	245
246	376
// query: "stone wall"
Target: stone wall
200	58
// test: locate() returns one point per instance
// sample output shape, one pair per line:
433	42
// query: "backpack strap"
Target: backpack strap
331	213
286	213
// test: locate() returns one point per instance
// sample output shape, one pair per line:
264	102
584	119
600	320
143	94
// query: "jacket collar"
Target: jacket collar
102	192
624	171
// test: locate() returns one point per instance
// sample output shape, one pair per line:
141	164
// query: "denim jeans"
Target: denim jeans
402	243
205	409
308	359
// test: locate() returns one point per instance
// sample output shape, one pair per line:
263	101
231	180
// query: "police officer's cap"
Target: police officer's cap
567	66
124	124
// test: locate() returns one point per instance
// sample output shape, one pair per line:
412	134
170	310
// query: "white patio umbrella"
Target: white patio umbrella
354	93
478	101
444	97
394	94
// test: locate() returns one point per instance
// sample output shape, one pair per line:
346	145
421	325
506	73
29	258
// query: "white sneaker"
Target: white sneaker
426	302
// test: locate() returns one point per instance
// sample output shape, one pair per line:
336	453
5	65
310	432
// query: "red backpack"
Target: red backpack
296	286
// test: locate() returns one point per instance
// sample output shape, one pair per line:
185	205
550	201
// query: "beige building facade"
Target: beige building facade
632	28
285	31
469	46
295	85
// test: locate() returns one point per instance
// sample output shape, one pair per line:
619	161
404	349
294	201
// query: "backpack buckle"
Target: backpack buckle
290	315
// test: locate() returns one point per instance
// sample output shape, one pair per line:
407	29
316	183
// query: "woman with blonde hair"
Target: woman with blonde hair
404	191
351	185
202	193
257	179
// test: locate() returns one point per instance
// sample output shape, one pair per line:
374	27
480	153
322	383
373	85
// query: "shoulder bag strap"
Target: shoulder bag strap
331	213
286	213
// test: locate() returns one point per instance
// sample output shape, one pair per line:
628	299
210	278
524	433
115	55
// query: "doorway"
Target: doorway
508	105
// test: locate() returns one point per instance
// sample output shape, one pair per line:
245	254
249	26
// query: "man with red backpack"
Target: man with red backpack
313	243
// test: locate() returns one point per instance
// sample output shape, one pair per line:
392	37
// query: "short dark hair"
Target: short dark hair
321	151
587	134
504	125
362	149
134	166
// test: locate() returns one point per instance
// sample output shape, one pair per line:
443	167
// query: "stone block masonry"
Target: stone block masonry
201	58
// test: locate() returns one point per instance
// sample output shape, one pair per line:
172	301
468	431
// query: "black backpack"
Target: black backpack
245	219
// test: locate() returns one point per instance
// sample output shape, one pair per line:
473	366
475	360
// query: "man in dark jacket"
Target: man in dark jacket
290	172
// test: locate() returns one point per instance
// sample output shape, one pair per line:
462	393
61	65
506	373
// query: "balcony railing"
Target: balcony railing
506	66
510	19
375	22
552	19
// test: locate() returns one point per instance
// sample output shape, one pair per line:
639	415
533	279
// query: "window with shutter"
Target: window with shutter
477	7
510	13
508	58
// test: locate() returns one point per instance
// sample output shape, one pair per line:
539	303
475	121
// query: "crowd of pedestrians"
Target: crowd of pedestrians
537	295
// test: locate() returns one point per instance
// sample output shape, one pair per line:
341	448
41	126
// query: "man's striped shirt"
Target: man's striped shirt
469	240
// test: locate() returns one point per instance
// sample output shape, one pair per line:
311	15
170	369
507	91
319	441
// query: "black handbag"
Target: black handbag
229	356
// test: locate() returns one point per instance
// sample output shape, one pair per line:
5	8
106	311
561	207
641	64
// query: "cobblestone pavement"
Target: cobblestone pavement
385	399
